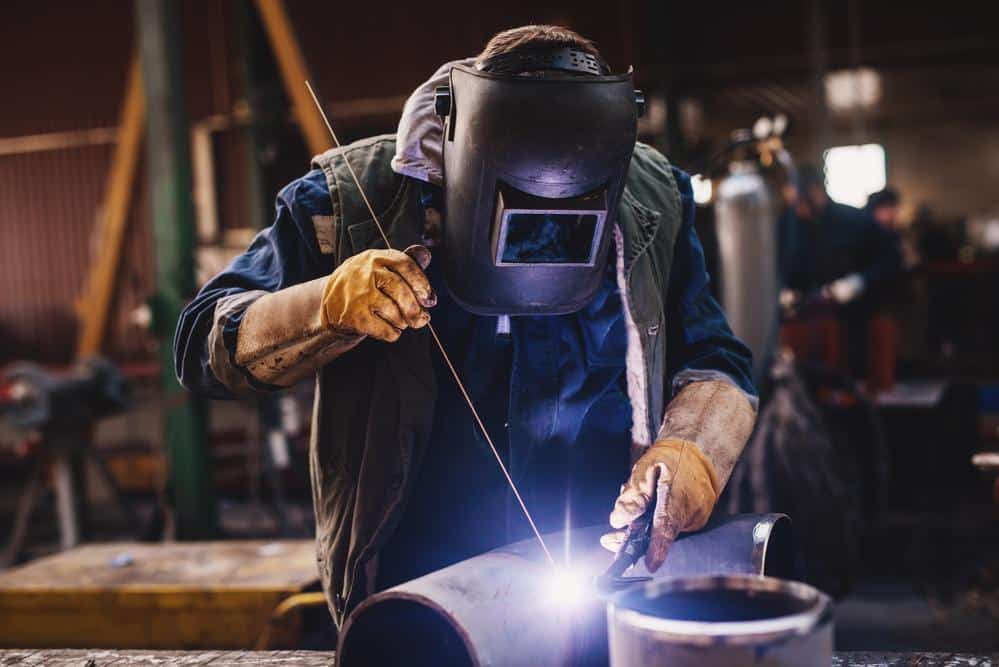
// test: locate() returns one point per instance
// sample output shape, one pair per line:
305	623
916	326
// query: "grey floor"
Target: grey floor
928	582
891	616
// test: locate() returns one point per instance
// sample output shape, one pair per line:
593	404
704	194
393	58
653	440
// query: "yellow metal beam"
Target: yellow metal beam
95	302
294	73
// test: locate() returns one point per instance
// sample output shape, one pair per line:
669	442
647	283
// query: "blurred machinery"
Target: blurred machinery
57	413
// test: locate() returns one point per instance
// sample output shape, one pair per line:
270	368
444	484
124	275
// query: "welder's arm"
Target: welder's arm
287	335
700	344
284	256
710	416
281	310
709	370
279	338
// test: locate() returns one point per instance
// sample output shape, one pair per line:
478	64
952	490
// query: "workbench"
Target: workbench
80	658
128	595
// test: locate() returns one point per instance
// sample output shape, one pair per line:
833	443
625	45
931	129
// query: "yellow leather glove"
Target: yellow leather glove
379	293
685	496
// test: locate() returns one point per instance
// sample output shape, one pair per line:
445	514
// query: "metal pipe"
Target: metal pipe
168	167
505	607
730	621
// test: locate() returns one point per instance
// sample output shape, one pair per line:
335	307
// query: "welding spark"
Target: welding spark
568	587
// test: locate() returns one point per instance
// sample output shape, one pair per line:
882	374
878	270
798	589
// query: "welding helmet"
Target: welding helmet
536	150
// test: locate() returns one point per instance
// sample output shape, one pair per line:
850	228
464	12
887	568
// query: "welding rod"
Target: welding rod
440	345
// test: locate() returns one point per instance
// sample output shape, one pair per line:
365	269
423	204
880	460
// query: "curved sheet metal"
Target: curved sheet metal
508	606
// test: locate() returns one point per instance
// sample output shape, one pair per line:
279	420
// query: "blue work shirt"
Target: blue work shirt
552	391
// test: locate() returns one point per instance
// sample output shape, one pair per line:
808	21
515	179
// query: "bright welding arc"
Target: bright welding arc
440	345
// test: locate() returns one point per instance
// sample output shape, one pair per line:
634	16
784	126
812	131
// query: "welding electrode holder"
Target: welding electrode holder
636	543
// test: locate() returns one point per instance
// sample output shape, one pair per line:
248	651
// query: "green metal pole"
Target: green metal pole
250	43
168	163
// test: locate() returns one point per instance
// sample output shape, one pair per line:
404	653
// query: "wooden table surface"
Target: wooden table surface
99	658
214	567
127	595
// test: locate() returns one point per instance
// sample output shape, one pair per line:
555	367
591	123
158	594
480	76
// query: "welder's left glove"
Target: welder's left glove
685	487
705	428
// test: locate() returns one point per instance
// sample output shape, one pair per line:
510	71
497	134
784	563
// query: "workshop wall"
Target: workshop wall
48	204
945	166
56	139
740	62
52	184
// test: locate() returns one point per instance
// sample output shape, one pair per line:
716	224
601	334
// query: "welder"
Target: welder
557	259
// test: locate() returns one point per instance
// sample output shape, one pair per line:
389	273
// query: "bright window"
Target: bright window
854	172
853	89
702	189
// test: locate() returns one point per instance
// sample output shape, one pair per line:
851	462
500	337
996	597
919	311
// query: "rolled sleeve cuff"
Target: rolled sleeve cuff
229	312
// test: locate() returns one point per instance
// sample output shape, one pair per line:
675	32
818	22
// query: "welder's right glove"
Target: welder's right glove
379	293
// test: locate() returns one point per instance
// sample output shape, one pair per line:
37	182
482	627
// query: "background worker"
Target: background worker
615	347
838	253
831	247
883	207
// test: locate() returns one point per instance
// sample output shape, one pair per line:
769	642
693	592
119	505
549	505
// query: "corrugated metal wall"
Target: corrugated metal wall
48	208
68	64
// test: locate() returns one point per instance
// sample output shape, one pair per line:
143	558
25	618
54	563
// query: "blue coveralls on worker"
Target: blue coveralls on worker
550	389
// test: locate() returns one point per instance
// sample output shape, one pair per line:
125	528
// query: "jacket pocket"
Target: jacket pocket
365	236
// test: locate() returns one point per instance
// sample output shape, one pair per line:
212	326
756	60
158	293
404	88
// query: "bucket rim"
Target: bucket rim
777	628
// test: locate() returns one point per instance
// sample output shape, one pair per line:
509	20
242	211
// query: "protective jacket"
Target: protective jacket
375	403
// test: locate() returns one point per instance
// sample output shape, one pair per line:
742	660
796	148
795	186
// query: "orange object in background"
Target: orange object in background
821	339
882	351
817	340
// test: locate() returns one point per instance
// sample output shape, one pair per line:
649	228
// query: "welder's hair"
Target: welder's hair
534	36
886	197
